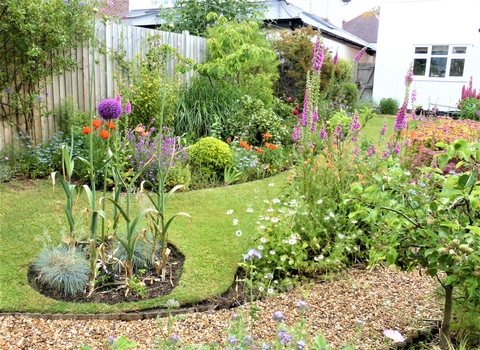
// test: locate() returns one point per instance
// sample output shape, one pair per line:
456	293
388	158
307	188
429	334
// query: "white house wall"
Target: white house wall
345	51
404	24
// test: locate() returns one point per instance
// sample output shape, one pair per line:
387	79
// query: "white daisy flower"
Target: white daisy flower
326	218
271	184
260	247
292	241
249	210
332	215
238	233
341	236
235	222
270	291
261	289
266	201
263	240
262	227
283	258
270	210
276	201
274	220
266	218
320	201
272	252
230	212
354	222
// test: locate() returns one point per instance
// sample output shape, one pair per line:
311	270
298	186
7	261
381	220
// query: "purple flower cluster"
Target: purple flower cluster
401	119
145	147
110	109
284	337
318	56
384	129
278	316
252	254
359	55
355	127
323	132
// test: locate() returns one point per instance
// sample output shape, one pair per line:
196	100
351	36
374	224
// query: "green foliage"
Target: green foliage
350	93
179	174
153	95
69	117
388	106
470	108
240	54
252	120
210	156
35	37
203	104
192	15
62	269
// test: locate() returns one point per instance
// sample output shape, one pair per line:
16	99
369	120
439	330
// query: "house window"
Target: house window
439	61
164	3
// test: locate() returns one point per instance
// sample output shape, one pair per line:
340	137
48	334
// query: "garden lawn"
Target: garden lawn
29	220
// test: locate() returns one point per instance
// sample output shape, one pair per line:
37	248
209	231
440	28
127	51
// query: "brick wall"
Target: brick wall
115	7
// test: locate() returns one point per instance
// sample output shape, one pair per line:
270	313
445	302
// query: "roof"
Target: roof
364	26
278	13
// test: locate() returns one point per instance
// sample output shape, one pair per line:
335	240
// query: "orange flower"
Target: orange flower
267	144
229	140
86	130
272	146
404	133
248	147
243	144
267	135
104	134
110	125
96	123
259	150
414	134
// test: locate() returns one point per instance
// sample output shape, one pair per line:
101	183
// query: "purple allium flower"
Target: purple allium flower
128	108
278	316
296	133
109	109
323	133
252	253
301	344
335	58
302	305
284	337
232	339
359	55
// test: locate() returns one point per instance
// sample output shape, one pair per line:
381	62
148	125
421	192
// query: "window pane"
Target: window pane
459	49
440	50
419	66
438	66
456	67
421	49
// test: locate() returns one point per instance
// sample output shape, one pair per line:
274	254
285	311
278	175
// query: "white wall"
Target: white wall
149	4
406	23
345	51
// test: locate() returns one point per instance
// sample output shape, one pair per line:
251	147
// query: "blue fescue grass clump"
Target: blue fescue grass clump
63	269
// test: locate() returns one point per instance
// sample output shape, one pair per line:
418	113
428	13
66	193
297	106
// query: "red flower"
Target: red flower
104	134
295	112
86	130
110	125
96	123
267	135
289	99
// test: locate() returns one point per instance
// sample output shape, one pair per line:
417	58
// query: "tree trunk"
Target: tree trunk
447	317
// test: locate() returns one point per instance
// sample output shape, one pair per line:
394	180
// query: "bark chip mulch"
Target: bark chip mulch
381	299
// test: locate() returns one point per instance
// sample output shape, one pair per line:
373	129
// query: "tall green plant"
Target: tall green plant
431	221
37	37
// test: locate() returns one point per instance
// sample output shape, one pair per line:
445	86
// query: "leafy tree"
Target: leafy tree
37	37
191	15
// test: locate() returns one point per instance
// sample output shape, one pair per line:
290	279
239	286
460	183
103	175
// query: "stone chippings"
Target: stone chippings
381	299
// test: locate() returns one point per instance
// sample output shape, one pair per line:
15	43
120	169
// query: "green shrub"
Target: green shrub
389	106
350	93
210	156
70	117
179	174
202	104
252	120
63	269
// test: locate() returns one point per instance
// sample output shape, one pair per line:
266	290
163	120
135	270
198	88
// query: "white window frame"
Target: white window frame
450	55
163	3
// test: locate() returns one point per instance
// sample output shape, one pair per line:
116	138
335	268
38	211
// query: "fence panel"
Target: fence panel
76	85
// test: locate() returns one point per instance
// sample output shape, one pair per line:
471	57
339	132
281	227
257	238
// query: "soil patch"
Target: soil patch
113	290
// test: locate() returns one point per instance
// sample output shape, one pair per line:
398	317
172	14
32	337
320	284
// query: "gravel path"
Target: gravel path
381	299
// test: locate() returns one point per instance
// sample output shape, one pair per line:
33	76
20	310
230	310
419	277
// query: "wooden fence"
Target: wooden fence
76	85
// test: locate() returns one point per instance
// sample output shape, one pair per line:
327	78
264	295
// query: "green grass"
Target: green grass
371	131
28	215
